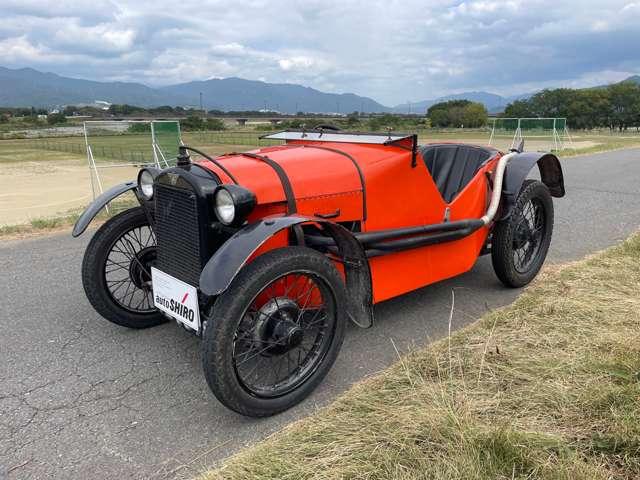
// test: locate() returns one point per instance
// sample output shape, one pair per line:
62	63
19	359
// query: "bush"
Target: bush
192	123
214	124
56	119
139	128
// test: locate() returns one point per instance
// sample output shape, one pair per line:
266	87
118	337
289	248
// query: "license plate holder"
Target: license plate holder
176	298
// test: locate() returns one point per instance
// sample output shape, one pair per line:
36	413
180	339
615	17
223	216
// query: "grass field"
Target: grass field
547	388
44	178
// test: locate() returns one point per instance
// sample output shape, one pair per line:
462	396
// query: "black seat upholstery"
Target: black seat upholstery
452	166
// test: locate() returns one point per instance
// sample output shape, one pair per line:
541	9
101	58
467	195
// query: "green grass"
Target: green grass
546	388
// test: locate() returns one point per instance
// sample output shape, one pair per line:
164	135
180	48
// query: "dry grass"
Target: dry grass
548	387
63	222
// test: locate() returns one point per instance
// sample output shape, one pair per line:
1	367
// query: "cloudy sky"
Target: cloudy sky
391	50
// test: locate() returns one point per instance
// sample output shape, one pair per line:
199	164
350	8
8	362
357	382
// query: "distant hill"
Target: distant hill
240	94
632	78
28	87
492	102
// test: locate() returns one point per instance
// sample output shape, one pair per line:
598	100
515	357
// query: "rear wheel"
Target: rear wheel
520	243
116	271
276	332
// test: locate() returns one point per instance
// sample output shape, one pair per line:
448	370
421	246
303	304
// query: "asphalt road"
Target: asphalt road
82	398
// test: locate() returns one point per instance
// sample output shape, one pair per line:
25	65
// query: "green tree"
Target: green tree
451	113
625	102
474	115
552	103
518	109
56	118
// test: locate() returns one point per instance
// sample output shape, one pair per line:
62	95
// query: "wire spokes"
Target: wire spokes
284	334
530	232
127	270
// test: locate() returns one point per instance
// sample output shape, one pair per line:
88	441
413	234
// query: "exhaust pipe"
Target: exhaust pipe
497	188
386	241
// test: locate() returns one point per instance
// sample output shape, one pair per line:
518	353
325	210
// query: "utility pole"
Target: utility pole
201	107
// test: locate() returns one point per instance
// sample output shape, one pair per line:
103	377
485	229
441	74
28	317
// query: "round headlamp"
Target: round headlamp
232	204
145	183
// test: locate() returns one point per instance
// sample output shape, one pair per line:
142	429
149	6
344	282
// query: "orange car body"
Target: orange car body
378	186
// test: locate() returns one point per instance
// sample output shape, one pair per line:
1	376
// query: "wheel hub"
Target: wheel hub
521	235
276	326
140	267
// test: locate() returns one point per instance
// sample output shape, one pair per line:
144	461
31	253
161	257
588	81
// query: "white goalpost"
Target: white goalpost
553	131
127	146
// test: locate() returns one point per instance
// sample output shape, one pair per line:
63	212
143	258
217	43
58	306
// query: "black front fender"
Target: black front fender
98	204
517	171
225	264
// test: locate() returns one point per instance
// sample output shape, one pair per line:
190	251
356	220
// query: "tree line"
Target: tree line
457	114
616	107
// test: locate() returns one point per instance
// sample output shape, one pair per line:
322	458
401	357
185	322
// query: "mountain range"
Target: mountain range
28	87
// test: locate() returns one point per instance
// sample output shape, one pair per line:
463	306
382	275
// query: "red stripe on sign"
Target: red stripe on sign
184	299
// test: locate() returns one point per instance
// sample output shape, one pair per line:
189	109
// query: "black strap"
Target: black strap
214	161
360	174
282	175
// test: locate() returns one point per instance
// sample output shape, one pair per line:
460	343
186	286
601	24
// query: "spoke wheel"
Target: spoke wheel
116	270
127	269
284	334
528	236
520	243
275	332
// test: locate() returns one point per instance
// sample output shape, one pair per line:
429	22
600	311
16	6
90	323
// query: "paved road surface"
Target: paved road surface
81	398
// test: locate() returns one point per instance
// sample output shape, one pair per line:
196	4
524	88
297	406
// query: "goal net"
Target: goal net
543	133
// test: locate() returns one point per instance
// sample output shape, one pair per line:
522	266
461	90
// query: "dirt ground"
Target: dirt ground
53	186
45	189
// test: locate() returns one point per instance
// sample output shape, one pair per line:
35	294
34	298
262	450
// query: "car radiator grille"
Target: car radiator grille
178	234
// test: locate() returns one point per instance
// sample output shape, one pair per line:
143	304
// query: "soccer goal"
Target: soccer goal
116	150
545	133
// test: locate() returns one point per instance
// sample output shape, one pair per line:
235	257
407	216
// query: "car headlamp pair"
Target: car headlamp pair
233	204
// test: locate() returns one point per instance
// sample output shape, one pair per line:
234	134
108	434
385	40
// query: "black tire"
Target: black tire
231	310
94	272
509	234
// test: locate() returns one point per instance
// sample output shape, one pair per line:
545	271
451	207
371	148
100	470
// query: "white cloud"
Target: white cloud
390	50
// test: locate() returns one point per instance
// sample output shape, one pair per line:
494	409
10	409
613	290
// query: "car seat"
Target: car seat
452	166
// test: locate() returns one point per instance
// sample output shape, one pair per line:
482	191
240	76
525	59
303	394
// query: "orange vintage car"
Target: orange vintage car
267	254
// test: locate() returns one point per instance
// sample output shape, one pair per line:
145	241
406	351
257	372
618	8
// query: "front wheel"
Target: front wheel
276	332
116	271
520	243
